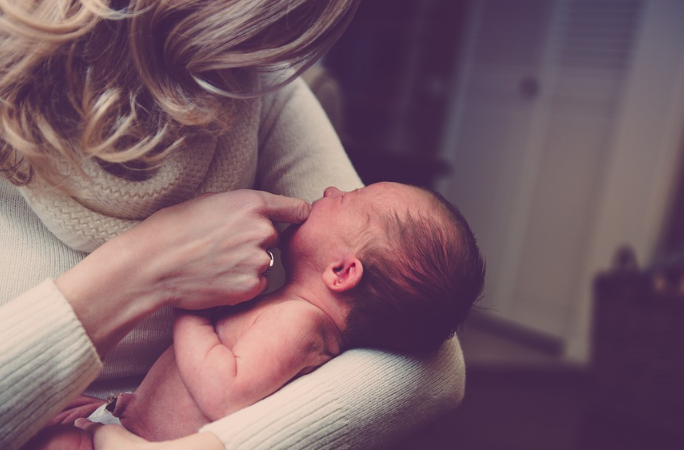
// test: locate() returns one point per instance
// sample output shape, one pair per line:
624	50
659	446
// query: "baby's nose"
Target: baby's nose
331	190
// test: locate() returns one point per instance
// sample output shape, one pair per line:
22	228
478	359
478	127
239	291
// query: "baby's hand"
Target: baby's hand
109	437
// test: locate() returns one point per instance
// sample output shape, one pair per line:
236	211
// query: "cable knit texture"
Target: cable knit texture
281	143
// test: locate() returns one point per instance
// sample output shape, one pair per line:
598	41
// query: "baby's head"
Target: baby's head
401	258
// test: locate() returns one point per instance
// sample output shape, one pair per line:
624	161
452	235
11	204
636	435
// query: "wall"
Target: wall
564	134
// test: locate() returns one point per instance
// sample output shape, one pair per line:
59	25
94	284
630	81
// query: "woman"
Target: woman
116	117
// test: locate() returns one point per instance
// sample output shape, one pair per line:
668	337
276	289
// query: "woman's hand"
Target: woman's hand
211	251
116	437
206	252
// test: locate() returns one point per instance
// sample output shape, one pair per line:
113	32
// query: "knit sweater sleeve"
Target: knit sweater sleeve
46	359
362	398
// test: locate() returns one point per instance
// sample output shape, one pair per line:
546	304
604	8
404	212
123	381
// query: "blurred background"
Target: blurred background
556	126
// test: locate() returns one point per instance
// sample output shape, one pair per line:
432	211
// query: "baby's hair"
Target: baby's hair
126	81
419	281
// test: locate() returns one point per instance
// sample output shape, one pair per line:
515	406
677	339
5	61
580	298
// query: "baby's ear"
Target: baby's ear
344	274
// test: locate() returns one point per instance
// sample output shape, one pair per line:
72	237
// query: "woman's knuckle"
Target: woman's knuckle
263	230
270	233
256	202
254	285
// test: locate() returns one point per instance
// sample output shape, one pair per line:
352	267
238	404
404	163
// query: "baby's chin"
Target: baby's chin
287	237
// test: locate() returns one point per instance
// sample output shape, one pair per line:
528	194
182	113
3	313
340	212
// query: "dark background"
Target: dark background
394	64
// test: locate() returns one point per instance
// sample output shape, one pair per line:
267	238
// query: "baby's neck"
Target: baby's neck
320	298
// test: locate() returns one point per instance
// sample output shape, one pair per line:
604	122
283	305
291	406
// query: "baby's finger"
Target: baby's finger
87	425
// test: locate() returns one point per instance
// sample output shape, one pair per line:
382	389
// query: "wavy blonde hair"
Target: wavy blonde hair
126	81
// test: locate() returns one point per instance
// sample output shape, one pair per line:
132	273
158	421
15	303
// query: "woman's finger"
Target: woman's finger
279	208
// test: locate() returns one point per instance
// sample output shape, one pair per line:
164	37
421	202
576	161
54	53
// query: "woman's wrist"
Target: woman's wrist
110	292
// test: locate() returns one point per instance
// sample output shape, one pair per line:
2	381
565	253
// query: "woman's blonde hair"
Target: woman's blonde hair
125	81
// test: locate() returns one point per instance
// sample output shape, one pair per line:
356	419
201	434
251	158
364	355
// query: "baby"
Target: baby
388	266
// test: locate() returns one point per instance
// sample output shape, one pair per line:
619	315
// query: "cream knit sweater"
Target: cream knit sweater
281	143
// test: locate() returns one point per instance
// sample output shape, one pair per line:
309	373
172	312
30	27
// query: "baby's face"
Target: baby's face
341	216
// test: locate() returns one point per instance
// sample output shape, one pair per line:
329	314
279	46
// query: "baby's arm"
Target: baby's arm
199	353
278	346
